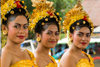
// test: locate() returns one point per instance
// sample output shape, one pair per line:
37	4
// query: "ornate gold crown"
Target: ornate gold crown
9	5
75	14
43	9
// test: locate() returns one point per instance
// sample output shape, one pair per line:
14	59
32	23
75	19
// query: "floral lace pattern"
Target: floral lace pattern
32	63
54	64
85	62
25	63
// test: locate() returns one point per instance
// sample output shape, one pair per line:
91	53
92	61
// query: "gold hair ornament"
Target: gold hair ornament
43	9
75	14
9	5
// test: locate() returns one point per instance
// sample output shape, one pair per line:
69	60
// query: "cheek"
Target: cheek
88	39
11	31
57	37
45	37
26	32
76	38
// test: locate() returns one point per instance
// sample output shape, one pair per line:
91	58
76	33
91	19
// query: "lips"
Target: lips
21	37
52	41
83	43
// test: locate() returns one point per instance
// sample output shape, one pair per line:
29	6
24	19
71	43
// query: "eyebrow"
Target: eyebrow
51	31
20	24
83	33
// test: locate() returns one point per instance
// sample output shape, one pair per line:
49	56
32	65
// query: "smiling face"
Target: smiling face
17	29
81	37
50	36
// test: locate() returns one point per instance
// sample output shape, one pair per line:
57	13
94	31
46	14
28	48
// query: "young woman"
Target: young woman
15	26
79	29
45	23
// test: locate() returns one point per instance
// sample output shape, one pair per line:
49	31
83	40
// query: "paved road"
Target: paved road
97	61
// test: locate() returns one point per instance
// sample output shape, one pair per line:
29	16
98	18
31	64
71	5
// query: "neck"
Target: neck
12	45
75	49
41	50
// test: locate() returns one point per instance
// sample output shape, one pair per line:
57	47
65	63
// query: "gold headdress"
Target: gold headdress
43	9
75	14
9	5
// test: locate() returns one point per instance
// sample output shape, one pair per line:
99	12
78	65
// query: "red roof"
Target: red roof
92	7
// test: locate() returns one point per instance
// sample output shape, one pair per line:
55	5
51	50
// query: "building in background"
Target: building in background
92	7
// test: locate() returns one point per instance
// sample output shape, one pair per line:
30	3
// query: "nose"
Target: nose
84	38
21	30
53	36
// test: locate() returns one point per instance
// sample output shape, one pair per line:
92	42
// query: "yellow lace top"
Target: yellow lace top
25	63
54	64
85	62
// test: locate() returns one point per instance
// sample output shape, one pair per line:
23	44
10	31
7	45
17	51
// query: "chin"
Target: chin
19	41
51	46
83	47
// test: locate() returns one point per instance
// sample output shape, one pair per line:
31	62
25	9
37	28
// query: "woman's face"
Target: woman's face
18	29
81	38
50	36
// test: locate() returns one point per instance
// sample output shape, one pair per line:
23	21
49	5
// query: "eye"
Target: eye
16	26
88	35
25	27
57	33
80	34
49	32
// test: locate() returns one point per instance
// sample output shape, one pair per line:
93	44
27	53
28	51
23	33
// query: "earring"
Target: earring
71	39
38	39
4	32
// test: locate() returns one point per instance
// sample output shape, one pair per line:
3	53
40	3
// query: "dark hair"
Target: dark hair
16	13
39	27
81	24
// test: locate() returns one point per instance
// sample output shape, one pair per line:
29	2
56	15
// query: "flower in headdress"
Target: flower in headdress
50	13
85	18
18	4
43	9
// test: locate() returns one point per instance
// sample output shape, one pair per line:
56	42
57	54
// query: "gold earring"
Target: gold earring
4	32
71	39
38	39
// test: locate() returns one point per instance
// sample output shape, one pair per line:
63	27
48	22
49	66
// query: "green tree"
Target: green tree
28	3
63	6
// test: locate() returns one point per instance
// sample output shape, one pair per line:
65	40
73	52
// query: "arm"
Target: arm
67	61
5	59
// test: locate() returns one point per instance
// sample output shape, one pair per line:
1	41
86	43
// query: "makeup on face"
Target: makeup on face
81	37
19	26
18	29
50	36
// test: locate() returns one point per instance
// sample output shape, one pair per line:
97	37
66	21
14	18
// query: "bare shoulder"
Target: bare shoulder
67	60
5	58
5	53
